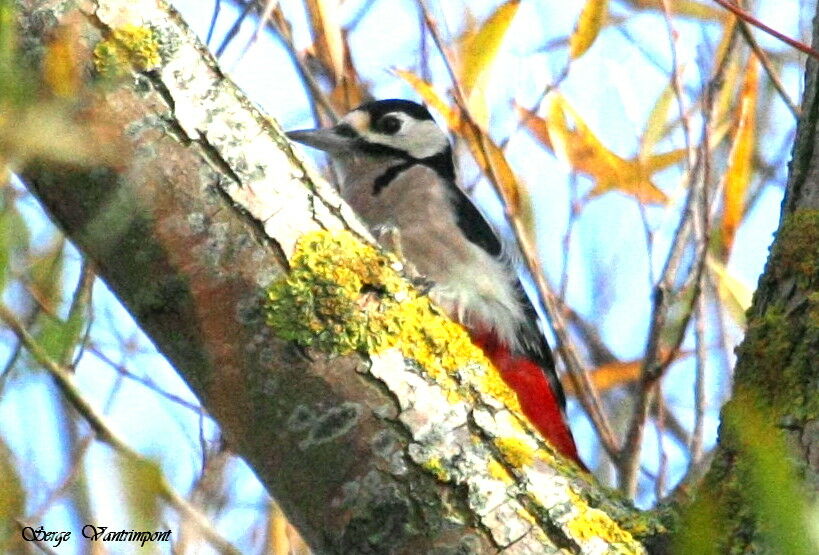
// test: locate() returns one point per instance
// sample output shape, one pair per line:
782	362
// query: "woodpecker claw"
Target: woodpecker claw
422	284
302	351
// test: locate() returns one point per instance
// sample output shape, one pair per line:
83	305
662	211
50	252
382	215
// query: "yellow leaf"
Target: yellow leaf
657	125
329	42
688	8
740	159
493	161
658	162
735	295
580	147
629	177
478	50
591	20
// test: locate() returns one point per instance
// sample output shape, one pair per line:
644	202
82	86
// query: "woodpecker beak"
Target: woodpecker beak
333	140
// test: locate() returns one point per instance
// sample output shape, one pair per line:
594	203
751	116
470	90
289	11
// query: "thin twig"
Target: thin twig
696	446
307	78
263	20
577	372
217	7
748	18
662	455
628	462
699	383
147	382
769	69
74	471
359	16
65	381
234	29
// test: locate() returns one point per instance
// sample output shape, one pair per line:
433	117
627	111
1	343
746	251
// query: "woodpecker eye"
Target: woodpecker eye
389	125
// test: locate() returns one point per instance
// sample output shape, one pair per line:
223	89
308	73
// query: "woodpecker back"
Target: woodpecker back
397	173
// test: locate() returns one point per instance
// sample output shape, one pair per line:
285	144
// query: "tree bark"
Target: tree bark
366	452
771	424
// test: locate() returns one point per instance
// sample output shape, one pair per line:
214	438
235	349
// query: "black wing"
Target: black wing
536	346
472	222
533	342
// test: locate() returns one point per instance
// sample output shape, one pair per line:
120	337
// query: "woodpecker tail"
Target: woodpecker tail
537	399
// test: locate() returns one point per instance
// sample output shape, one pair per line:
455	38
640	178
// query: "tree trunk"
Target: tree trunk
771	423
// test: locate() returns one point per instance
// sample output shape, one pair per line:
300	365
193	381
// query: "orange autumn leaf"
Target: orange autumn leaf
610	375
536	125
329	42
617	373
740	160
588	26
349	91
577	144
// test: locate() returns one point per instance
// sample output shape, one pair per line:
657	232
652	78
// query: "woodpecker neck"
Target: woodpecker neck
375	166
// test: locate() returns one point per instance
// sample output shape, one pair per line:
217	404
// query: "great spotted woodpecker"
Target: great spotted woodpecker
397	173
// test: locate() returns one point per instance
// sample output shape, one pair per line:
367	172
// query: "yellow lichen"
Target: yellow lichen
499	472
492	384
594	523
515	451
128	47
436	467
342	295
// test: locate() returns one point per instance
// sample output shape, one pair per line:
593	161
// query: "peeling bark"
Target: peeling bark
364	453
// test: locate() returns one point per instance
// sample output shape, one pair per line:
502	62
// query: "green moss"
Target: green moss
777	357
779	350
127	48
750	490
796	251
752	493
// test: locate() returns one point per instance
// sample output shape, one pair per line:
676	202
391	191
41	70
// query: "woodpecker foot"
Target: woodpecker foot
422	284
390	238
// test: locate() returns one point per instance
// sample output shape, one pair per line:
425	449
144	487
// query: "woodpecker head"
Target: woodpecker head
385	128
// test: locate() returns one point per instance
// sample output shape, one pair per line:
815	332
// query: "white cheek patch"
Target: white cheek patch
424	138
419	139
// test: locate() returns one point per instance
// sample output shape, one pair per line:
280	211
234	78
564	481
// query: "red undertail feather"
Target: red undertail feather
535	395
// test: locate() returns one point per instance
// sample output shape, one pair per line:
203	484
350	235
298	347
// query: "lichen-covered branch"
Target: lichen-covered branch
369	417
